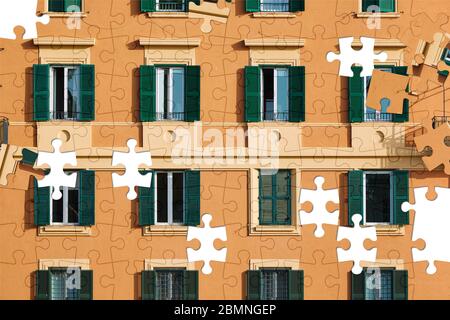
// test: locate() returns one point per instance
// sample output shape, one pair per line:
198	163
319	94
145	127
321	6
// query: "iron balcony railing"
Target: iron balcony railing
4	131
275	116
440	120
276	6
381	117
178	116
62	115
170	6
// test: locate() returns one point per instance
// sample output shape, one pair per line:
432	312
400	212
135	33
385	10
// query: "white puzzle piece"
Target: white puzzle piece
319	215
206	236
20	13
357	252
349	57
56	178
432	224
131	160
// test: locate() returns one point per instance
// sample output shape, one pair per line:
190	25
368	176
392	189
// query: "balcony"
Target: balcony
170	6
377	117
173	116
438	121
275	6
4	131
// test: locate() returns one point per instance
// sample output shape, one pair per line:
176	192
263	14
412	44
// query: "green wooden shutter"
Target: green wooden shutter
404	117
401	194
444	55
356	96
296	94
355	194
41	205
86	197
148	285
56	5
42	285
252	6
296	286
192	198
387	5
252	94
296	5
254	285
148	93
192	93
358	286
400	285
86	291
87	93
28	157
148	5
146	200
190	290
367	3
41	93
69	3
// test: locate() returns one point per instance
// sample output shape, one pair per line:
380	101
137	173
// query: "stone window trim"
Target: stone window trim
59	231
171	51
82	14
274	51
152	264
362	14
256	264
46	264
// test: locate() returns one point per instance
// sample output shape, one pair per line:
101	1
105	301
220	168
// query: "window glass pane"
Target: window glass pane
268	93
73	92
169	285
178	197
379	285
282	94
275	5
58	209
378	198
72	209
58	93
178	94
160	93
266	185
161	197
282	184
274	285
62	285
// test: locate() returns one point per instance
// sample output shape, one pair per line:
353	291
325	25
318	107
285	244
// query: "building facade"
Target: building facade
221	93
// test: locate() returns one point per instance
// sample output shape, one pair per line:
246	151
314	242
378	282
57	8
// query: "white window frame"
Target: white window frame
275	92
169	199
261	5
447	56
170	102
391	196
52	107
65	198
377	112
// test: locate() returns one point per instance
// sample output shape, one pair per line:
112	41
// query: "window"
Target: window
446	58
65	98
170	94
169	197
76	206
170	5
275	197
378	197
275	94
380	284
383	5
64	5
169	284
63	284
172	199
64	92
358	88
274	284
4	124
65	210
274	5
372	114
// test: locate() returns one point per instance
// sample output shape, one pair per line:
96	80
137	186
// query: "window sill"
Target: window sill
390	230
378	15
161	230
274	15
174	14
65	14
259	230
64	231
